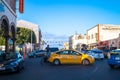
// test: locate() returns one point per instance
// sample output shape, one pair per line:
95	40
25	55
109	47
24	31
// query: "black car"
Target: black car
11	62
38	53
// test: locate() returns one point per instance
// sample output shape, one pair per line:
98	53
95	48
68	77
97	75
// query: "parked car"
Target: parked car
11	62
38	53
96	53
70	57
114	58
31	54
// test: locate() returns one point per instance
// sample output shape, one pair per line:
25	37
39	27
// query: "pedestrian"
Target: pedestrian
48	51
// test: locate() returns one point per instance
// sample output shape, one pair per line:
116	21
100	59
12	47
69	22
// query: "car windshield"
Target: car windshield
115	52
7	56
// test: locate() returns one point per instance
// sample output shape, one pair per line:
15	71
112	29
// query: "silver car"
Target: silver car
96	53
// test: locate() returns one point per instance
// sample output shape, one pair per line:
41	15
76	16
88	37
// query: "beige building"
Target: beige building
66	45
101	33
75	41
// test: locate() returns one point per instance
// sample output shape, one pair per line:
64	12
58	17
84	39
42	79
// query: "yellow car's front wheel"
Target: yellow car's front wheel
56	62
85	62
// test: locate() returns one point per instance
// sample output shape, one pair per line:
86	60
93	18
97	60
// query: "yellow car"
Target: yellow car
70	57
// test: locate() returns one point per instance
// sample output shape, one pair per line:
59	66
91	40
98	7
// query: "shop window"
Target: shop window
96	36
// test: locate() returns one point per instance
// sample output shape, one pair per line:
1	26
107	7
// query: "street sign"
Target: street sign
10	41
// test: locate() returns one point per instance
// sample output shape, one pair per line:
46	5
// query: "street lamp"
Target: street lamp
31	40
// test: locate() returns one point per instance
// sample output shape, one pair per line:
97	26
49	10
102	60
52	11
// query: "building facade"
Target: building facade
8	21
101	34
34	27
75	41
66	45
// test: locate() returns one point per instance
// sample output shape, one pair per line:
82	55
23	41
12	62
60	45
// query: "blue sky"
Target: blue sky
65	17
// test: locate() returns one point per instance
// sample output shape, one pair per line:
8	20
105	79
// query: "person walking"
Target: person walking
48	51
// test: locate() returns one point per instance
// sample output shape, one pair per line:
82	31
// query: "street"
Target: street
35	71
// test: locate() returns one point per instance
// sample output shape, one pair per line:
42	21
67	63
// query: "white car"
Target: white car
97	54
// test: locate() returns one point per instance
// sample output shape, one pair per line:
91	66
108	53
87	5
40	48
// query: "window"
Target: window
73	52
88	37
92	36
63	52
96	36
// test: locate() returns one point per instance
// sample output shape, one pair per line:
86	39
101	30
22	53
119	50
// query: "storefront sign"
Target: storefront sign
111	28
2	7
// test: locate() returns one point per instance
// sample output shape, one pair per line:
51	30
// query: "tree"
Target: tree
2	39
24	36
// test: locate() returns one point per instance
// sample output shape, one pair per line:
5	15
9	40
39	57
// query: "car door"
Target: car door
64	56
74	57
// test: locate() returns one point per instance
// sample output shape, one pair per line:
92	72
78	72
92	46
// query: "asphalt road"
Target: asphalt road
35	71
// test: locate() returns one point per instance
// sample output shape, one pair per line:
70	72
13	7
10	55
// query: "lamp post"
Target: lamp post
31	40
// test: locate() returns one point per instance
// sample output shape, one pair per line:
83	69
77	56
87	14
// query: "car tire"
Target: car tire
22	65
56	62
85	62
18	69
112	66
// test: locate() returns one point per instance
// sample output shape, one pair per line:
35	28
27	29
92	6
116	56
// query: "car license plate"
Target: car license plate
2	68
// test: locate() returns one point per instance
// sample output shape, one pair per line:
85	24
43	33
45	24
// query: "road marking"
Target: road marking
96	68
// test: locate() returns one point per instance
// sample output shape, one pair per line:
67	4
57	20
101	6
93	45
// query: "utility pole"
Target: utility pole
31	40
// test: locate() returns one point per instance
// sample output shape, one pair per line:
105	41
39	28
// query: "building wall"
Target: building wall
8	11
32	26
12	4
92	35
114	42
108	32
102	33
8	19
66	45
76	40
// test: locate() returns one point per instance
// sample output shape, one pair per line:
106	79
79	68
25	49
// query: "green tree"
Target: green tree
24	36
2	39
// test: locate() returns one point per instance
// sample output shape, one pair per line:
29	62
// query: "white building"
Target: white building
8	21
102	32
66	45
75	41
34	27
